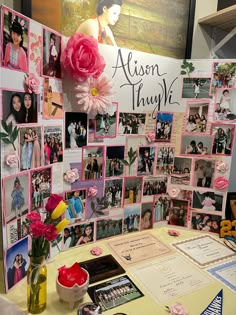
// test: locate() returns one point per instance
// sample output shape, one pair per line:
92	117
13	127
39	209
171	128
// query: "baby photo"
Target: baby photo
181	171
193	145
52	99
41	184
223	76
223	136
131	218
146	216
197	114
225	108
161	207
114	161
16	41
109	227
76	205
154	185
165	160
205	222
106	124
164	122
196	88
113	193
208	200
19	107
132	190
204	171
132	123
92	164
146	157
178	212
53	146
75	130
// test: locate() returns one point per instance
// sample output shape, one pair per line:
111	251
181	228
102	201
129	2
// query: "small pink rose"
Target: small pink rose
92	192
221	183
96	251
12	159
32	83
173	192
150	136
178	309
222	167
173	233
71	175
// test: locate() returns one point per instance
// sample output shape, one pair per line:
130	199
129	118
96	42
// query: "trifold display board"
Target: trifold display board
160	153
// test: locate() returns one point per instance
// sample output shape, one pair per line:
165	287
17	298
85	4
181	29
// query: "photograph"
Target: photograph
223	137
106	124
225	108
75	130
109	227
205	222
181	171
19	107
132	190
53	146
92	163
51	54
154	185
193	145
16	230
132	124
16	263
131	218
204	172
76	205
52	99
113	193
15	196
165	160
41	185
178	212
15	49
223	76
146	221
208	200
196	88
30	148
161	207
146	158
197	116
114	158
78	235
164	123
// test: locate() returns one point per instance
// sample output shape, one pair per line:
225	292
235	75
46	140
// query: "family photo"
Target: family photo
78	235
225	108
93	163
197	114
205	222
114	161
165	160
196	88
223	136
53	146
204	171
223	75
75	130
164	122
132	123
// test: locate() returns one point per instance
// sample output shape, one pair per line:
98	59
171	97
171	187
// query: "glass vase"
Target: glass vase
37	285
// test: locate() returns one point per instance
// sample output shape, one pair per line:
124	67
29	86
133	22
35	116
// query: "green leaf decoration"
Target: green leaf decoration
7	141
98	200
183	72
99	212
125	162
14	134
93	205
4	125
183	66
3	135
10	128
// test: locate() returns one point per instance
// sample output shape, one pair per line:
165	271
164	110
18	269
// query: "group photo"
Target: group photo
53	146
164	122
197	116
92	163
132	123
75	130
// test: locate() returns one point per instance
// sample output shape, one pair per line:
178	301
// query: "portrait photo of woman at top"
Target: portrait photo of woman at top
107	13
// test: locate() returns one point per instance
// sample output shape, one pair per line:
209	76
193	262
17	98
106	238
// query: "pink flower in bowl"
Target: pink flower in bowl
12	159
92	192
32	83
221	183
71	175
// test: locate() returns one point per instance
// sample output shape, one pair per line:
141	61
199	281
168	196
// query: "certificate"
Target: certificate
226	273
170	278
134	249
204	250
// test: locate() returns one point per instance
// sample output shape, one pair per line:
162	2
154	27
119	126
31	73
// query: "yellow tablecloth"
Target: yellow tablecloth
195	301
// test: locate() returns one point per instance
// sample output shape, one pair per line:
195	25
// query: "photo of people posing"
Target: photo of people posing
207	200
109	227
197	114
19	107
78	235
178	212
223	76
146	157
204	173
92	164
16	41
165	160
113	193
52	99
161	207
164	123
132	123
196	145
51	54
132	190
196	88
154	185
106	123
181	172
16	196
41	182
53	147
76	201
205	222
225	108
131	218
222	139
30	148
146	216
114	158
75	130
15	230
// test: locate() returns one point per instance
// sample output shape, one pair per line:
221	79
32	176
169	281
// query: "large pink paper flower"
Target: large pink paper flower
94	95
221	183
32	83
81	58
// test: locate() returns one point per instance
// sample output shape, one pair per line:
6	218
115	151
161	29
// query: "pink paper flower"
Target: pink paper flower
173	233
150	136
221	166
71	175
221	183
177	309
92	192
96	251
12	159
32	83
173	192
81	57
94	95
